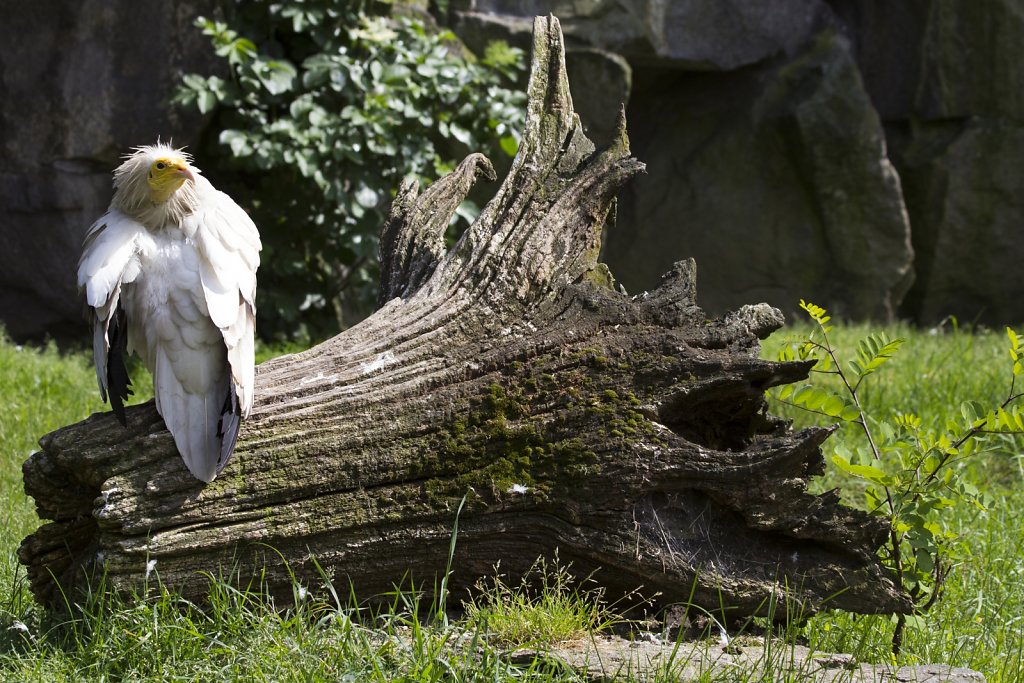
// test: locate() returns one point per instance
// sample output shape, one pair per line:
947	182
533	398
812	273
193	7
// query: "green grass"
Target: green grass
545	606
239	636
41	391
978	623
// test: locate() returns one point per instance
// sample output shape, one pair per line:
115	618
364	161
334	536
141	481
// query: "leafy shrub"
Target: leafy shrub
907	468
324	114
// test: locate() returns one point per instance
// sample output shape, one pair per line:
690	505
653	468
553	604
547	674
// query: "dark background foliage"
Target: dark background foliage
860	153
325	108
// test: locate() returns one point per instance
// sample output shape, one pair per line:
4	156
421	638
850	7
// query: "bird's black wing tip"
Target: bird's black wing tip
228	427
118	408
118	382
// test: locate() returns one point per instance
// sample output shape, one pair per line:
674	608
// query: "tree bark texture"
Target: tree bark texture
628	433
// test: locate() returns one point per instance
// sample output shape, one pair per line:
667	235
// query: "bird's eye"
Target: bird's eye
160	166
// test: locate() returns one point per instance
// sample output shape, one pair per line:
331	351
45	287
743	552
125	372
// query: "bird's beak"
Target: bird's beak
184	170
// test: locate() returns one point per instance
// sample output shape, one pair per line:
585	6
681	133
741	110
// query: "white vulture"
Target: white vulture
169	272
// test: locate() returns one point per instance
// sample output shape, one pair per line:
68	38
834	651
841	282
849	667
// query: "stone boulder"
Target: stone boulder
766	159
947	79
972	61
886	40
775	180
799	195
82	82
717	35
964	192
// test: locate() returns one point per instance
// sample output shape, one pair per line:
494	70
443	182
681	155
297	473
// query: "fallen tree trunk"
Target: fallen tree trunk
630	434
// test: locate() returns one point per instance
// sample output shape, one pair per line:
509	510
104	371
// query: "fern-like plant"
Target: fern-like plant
907	468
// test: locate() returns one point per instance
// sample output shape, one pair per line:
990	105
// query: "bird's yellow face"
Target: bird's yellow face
166	175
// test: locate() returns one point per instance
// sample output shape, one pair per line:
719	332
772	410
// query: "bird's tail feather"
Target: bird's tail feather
118	381
227	429
194	422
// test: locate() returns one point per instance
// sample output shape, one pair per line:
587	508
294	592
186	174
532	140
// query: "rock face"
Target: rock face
777	182
968	195
823	149
955	122
861	153
714	35
82	82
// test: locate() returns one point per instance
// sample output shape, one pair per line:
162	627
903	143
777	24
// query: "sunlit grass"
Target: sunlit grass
42	390
546	606
240	636
978	622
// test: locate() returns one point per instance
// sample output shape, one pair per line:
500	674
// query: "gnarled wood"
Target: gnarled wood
628	433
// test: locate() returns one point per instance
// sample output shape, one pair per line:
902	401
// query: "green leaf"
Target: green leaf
396	74
850	413
908	421
815	398
194	81
825	364
426	70
833	406
237	141
367	197
887	432
276	76
374	30
817	313
868	472
915	621
810	397
206	101
920	537
874	351
971	410
843	451
460	133
242	50
509	145
925	561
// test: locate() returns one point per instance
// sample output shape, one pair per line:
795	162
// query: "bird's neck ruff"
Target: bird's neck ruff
134	197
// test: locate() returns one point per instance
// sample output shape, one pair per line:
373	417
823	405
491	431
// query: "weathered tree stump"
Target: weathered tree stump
631	434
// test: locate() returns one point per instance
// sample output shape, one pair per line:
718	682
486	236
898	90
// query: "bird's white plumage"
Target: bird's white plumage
184	272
